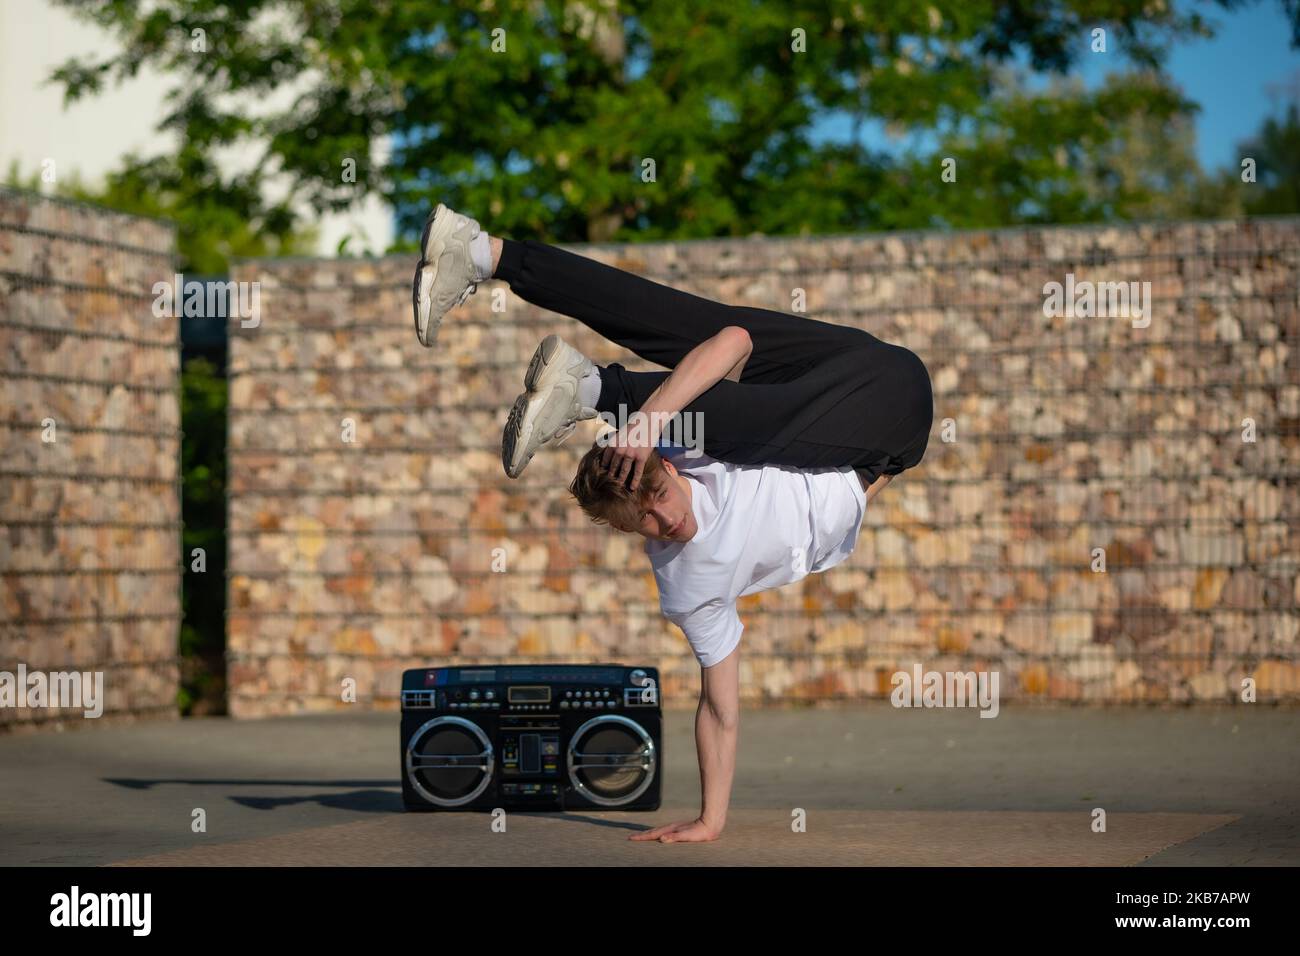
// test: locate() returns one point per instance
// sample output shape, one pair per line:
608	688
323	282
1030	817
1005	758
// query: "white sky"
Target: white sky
92	135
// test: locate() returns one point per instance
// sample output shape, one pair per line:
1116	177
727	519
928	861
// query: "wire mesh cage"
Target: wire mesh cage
1105	511
90	428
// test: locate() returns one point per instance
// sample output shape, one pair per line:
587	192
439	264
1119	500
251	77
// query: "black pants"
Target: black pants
811	395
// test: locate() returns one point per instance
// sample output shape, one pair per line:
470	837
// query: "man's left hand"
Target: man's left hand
626	452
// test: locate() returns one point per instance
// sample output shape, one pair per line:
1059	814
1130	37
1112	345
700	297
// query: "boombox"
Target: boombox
546	737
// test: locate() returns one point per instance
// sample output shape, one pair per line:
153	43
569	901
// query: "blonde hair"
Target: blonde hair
607	501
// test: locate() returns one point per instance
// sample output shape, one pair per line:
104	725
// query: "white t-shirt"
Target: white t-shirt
759	527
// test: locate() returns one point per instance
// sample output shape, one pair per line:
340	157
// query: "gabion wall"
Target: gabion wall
89	451
1106	511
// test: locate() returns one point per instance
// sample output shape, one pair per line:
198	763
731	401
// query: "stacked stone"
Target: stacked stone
372	527
90	432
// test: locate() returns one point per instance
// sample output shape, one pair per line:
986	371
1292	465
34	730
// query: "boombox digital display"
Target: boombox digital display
537	735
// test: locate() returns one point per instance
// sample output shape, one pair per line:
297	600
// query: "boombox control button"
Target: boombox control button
473	695
586	693
489	695
568	693
564	705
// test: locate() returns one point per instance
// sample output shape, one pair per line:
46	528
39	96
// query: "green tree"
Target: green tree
1276	151
1151	172
209	227
539	115
203	503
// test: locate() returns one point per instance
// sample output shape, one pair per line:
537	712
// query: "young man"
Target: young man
802	423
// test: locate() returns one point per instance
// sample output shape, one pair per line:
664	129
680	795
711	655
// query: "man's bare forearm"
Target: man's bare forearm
877	485
715	742
722	356
717	731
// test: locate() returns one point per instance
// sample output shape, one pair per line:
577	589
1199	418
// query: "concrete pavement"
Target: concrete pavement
879	786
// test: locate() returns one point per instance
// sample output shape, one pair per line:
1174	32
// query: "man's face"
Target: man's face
666	513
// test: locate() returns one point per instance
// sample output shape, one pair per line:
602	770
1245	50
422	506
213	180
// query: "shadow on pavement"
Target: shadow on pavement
366	799
137	783
359	801
570	817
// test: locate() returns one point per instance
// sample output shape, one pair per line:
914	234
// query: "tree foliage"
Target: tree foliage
1276	151
203	503
538	115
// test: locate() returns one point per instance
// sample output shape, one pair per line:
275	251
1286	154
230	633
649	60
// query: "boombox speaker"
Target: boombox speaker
538	736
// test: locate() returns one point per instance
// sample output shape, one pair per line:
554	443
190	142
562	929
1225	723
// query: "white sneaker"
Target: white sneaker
548	410
444	277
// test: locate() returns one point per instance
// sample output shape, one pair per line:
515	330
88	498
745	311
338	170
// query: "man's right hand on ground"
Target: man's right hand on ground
688	831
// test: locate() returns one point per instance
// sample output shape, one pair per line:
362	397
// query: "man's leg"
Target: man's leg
658	323
812	394
867	408
661	324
